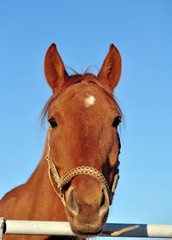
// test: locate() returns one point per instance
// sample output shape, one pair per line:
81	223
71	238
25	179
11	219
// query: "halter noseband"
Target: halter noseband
80	170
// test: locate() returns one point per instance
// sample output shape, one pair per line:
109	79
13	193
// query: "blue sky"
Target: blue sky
83	31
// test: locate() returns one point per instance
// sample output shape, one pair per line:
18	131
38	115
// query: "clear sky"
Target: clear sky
83	31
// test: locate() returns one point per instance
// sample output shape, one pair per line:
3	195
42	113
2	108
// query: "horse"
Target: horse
76	177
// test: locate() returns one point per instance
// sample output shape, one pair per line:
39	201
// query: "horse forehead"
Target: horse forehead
84	98
82	94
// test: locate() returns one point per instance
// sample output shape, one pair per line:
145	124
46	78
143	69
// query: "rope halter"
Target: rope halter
80	170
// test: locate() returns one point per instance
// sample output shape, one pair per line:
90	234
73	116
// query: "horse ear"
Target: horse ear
54	68
111	69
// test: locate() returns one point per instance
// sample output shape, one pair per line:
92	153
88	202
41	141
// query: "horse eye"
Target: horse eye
116	122
52	122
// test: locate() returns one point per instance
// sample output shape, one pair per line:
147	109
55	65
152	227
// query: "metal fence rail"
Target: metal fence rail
16	227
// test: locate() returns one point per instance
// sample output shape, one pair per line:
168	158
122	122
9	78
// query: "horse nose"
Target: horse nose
82	206
104	204
72	203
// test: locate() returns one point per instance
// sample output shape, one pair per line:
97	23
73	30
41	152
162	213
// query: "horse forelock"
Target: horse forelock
74	79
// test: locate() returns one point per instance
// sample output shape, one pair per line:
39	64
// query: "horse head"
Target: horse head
83	142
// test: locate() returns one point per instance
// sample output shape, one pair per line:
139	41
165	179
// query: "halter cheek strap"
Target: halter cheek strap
80	170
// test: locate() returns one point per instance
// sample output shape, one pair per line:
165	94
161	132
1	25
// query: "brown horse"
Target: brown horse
77	175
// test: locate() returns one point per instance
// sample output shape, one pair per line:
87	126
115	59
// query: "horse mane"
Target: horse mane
77	78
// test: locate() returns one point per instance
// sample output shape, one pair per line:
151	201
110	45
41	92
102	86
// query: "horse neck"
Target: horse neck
46	205
46	200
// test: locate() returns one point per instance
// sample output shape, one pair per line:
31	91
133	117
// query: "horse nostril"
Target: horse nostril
104	204
103	199
72	203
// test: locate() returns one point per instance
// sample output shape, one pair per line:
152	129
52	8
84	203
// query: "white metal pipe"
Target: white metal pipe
138	230
38	228
18	227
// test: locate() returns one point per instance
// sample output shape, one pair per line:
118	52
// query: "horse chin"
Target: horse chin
86	231
86	234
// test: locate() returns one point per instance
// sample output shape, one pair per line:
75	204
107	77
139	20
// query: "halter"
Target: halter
80	170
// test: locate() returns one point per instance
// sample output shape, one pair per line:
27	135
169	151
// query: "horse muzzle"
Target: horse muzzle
87	206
